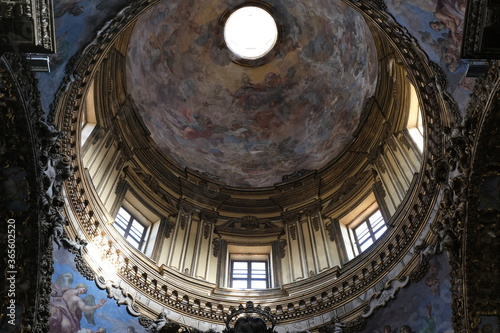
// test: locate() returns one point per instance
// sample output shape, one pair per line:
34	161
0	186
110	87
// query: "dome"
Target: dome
250	124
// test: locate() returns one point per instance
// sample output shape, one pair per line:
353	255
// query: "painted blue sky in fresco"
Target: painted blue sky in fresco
114	318
440	46
77	23
424	306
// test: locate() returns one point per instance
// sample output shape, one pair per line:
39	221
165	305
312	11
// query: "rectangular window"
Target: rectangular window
369	230
130	228
247	274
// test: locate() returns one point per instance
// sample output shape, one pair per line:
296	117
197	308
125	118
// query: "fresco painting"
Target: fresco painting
422	307
195	118
438	26
251	126
78	306
76	24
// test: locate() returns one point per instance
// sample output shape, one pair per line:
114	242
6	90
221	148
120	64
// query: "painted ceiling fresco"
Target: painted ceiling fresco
76	24
438	25
250	126
77	305
423	307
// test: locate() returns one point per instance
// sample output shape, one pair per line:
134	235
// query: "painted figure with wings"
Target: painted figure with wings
67	306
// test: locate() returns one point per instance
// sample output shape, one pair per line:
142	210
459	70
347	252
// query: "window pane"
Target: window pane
366	244
240	275
362	236
378	224
259	274
123	214
119	229
240	284
129	227
136	230
258	266
136	226
240	265
133	242
417	137
361	229
259	270
375	217
370	230
362	233
121	221
380	232
257	284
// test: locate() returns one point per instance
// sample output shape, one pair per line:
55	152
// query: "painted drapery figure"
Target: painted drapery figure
67	307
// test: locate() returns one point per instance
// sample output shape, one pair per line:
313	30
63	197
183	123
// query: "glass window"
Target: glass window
89	120
130	228
417	132
246	274
369	230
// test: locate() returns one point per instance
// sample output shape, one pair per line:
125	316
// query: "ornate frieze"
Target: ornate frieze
331	229
480	37
335	326
254	321
475	284
250	225
27	26
31	176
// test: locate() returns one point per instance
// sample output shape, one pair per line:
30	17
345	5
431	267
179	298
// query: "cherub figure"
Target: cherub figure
67	307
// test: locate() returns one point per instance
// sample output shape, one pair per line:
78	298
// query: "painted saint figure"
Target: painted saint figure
67	307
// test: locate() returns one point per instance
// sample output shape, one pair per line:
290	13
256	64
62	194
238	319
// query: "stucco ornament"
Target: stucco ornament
389	292
118	293
251	319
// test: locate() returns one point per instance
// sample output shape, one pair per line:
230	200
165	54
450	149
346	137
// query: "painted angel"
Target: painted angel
67	306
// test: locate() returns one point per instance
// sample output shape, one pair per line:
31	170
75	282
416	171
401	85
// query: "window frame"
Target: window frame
128	226
372	234
89	116
414	125
250	272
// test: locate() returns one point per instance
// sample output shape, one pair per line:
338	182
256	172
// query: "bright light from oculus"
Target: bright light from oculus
250	32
